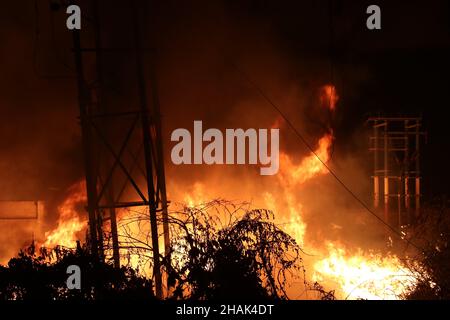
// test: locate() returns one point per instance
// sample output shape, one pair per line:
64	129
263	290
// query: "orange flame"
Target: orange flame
329	97
364	276
196	197
359	275
70	222
310	166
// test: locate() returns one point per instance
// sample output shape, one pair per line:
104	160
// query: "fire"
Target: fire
364	275
196	197
294	225
70	222
291	176
310	166
353	275
329	97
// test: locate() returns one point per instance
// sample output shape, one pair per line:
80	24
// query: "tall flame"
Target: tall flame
310	166
70	221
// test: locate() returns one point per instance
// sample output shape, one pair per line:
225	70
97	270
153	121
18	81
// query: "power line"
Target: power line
300	136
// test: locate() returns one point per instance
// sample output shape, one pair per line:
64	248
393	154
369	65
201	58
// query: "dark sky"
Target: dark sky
401	69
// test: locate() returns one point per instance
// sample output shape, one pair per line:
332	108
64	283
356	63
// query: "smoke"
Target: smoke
202	58
39	147
202	51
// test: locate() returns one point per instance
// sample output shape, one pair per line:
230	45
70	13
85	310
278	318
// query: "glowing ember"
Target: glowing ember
363	276
70	222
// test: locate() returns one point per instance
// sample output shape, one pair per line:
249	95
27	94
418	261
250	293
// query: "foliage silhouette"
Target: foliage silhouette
222	251
219	250
432	231
42	276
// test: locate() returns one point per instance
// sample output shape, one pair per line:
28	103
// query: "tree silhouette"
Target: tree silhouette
221	250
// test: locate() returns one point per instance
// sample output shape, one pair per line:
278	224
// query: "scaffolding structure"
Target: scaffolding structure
396	145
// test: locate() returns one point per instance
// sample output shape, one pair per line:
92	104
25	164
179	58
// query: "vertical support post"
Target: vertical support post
406	173
407	196
417	168
148	158
86	136
386	173
101	107
376	178
160	156
114	233
399	201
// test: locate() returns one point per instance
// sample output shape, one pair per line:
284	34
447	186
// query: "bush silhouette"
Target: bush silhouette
43	276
